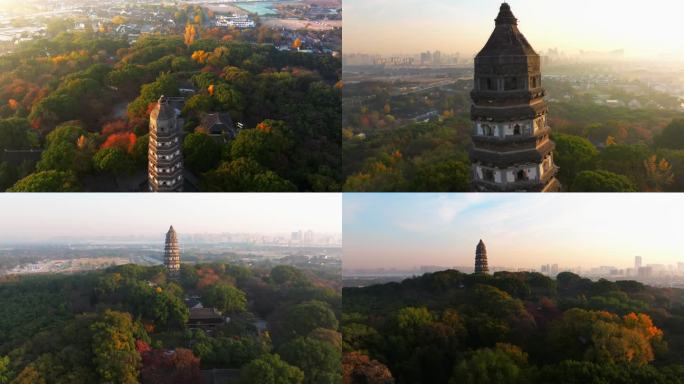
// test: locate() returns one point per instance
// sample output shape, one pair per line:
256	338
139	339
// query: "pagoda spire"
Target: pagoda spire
506	16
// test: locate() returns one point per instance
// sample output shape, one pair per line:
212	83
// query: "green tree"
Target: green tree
672	137
55	108
443	176
228	98
230	352
303	318
58	156
243	175
166	84
140	150
112	160
269	145
270	369
283	274
67	132
201	152
114	355
602	181
573	155
4	369
15	133
320	361
237	77
503	364
625	160
225	298
47	181
198	103
127	78
204	80
412	318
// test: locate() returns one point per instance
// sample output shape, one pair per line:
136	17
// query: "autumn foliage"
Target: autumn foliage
116	126
206	276
200	56
264	127
123	140
189	34
359	368
179	366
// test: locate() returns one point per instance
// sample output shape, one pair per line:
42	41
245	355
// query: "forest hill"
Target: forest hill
129	324
450	327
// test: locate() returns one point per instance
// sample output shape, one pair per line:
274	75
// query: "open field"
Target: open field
68	265
293	24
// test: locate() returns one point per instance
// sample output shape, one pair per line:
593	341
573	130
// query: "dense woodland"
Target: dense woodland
83	99
599	148
120	326
450	327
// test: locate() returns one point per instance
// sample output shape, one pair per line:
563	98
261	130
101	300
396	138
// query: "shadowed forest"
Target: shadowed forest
450	327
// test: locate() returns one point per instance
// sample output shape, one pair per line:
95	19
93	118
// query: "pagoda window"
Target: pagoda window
487	84
510	83
488	175
521	175
487	130
517	131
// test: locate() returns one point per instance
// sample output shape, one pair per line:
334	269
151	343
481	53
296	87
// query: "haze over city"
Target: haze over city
521	231
412	26
26	218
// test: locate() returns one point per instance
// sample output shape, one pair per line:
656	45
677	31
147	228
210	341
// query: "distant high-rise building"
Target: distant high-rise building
165	159
554	270
172	253
637	262
645	272
437	58
481	258
425	58
511	148
308	237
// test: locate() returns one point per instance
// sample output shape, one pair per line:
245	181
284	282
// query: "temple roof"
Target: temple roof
507	40
217	123
205	314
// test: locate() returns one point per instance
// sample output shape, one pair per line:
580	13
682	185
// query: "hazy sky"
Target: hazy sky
34	216
519	230
410	26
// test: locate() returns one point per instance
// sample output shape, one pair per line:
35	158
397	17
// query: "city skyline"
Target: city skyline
412	26
96	215
405	231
